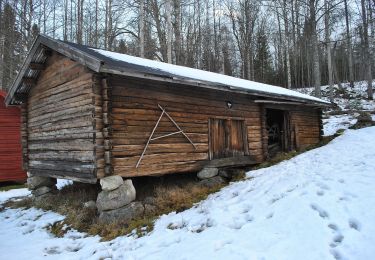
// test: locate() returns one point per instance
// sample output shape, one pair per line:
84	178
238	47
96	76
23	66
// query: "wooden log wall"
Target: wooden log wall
306	123
135	112
24	137
62	121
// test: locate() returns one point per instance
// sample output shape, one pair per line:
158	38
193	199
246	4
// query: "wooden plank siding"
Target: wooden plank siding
10	143
63	115
135	112
305	127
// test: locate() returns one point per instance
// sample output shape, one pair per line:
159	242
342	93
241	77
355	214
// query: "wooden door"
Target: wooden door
227	138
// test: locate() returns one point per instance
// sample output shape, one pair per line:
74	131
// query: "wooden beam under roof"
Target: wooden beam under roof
29	81
37	66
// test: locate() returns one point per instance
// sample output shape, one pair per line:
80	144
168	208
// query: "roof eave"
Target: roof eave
46	42
210	85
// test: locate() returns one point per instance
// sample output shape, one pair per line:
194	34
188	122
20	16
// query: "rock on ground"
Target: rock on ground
206	173
212	182
125	214
90	204
123	195
43	190
36	182
111	182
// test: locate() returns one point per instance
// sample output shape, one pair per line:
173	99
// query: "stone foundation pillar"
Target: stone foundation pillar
116	201
41	186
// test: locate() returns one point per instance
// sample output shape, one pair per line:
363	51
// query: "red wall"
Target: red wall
10	143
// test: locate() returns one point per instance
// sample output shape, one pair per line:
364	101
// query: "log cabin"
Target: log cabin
89	113
10	143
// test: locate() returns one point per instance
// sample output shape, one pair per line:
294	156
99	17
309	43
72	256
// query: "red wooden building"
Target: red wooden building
10	143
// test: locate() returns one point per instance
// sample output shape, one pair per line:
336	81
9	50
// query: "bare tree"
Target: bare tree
142	28
328	47
367	57
349	45
168	11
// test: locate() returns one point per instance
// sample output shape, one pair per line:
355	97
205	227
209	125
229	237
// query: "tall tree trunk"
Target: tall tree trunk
315	50
287	46
349	45
54	20
367	57
65	20
96	23
79	21
169	30
142	28
106	26
328	45
177	32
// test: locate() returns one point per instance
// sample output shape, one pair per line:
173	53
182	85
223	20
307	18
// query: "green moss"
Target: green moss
12	186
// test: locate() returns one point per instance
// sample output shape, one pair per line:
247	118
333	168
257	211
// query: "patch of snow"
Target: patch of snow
336	122
15	193
314	206
6	195
354	98
62	183
191	73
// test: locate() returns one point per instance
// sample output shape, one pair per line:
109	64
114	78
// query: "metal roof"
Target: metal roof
100	63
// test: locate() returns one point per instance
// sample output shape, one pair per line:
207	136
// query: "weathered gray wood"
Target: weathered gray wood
85	178
231	161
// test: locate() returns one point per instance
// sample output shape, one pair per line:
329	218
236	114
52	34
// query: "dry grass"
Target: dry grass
11	185
168	198
170	194
175	198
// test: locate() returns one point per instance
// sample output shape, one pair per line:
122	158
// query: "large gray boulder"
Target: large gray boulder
111	182
207	173
36	182
125	214
114	199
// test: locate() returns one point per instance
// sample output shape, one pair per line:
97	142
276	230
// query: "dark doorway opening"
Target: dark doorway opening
278	128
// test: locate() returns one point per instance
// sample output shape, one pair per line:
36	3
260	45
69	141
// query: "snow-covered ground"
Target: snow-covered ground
336	122
348	100
6	195
318	205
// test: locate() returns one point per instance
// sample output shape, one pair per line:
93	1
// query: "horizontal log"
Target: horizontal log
156	170
70	145
232	161
131	150
60	174
159	159
77	122
74	167
83	156
123	131
136	139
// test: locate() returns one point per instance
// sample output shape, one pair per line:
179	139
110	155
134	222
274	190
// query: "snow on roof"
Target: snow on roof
186	72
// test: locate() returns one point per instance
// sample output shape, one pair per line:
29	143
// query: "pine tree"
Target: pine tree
262	61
